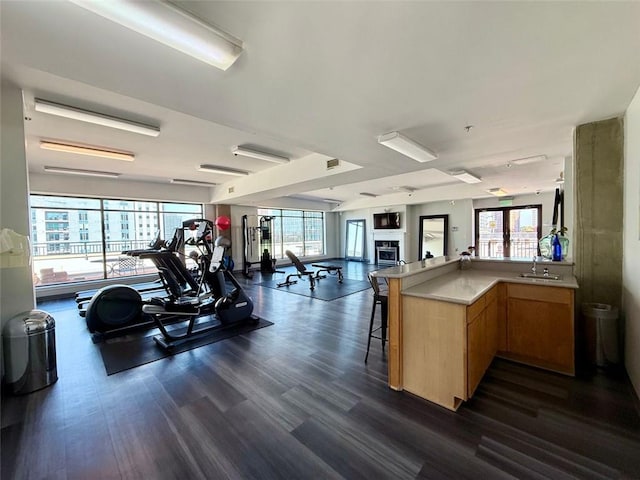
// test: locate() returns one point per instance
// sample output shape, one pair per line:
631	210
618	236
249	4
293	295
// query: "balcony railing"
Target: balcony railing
520	248
61	262
62	247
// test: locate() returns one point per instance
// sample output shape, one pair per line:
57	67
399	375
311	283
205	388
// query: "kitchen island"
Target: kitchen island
447	324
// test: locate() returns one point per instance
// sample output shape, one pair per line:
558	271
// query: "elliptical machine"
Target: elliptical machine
117	309
231	307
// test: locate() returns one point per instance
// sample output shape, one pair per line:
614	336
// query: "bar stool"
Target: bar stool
381	298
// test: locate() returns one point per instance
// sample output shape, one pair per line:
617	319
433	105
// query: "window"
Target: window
67	223
508	232
300	231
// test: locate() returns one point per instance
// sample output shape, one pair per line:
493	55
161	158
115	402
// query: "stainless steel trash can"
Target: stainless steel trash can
30	352
606	325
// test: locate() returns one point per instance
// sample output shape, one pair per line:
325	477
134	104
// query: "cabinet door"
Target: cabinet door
492	334
476	351
541	332
501	308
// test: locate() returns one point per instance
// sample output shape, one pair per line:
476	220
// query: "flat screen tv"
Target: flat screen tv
386	220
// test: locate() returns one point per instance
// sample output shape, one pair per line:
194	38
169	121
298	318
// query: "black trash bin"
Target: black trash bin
30	352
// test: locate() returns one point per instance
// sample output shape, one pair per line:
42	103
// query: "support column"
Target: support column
599	162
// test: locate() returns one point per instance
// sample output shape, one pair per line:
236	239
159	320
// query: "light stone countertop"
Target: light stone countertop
466	286
408	269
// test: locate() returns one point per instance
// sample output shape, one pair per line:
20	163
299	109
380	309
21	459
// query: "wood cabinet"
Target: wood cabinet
447	347
482	338
434	350
540	327
441	350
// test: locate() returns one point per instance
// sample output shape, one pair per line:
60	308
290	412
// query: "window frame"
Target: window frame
278	228
506	234
98	205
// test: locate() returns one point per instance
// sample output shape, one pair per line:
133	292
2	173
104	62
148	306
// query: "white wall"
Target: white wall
16	284
461	219
631	241
99	187
460	234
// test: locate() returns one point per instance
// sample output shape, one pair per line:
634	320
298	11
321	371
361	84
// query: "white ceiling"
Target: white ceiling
321	80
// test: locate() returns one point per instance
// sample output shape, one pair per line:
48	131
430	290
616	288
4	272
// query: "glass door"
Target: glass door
355	242
508	232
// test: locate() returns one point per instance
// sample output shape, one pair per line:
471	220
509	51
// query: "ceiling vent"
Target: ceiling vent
231	189
333	163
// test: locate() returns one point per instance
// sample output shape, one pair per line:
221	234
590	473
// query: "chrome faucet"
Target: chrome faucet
533	267
401	262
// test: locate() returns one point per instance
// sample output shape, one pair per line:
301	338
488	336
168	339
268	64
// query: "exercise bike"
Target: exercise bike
230	306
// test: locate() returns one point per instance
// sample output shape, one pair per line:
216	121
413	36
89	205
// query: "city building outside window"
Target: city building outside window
84	237
300	231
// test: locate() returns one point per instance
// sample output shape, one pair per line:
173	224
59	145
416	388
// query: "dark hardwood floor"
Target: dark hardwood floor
296	401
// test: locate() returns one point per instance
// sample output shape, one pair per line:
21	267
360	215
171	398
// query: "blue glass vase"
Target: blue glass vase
556	249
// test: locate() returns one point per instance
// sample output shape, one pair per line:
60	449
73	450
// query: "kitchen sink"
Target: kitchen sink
541	276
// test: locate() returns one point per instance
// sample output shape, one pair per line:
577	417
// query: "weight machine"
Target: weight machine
257	244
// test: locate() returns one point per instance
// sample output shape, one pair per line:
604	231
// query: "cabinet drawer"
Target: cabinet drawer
542	294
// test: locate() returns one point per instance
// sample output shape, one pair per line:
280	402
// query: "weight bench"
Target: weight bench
330	269
313	276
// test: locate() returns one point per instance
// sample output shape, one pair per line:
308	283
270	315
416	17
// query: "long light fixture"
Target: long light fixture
465	176
407	147
367	194
44	106
222	170
498	192
269	157
76	171
91	151
527	160
182	181
176	28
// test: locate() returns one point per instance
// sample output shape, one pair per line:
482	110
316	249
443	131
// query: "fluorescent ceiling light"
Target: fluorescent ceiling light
74	113
181	181
465	176
269	157
222	170
405	188
75	171
331	200
367	194
171	26
524	161
498	192
91	151
407	147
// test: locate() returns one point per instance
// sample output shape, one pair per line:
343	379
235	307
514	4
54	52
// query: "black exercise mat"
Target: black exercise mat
326	288
119	354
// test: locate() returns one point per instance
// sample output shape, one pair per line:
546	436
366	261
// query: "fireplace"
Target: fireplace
387	252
